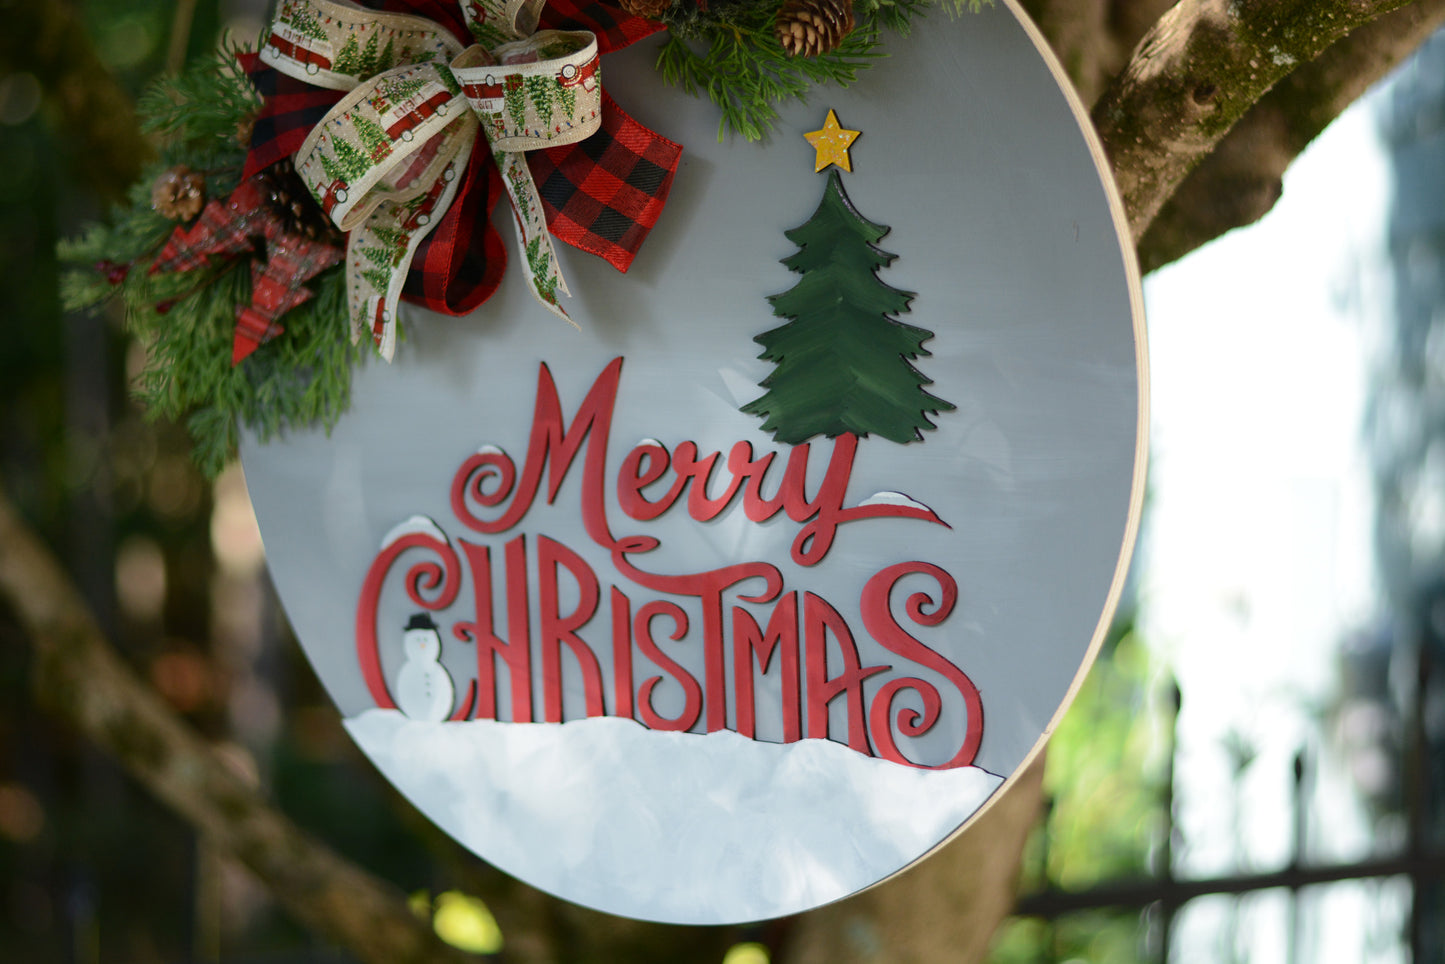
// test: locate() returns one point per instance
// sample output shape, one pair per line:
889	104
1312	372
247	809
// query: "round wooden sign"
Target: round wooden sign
757	585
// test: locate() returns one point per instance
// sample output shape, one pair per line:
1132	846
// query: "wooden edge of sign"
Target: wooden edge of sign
1141	430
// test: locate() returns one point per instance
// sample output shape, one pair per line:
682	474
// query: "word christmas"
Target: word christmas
491	497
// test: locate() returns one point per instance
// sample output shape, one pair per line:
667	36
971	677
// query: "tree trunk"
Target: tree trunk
944	909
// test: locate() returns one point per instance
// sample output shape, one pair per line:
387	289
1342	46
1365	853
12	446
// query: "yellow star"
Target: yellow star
832	144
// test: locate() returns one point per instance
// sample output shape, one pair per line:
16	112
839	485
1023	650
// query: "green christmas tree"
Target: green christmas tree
392	237
541	265
514	101
333	170
305	21
379	278
448	79
369	57
567	96
844	364
520	194
400	90
541	91
394	92
380	257
349	163
373	138
348	61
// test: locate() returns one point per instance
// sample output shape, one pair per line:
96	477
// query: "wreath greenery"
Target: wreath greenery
185	319
725	50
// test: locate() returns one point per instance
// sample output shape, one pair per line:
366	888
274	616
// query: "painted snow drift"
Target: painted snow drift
735	830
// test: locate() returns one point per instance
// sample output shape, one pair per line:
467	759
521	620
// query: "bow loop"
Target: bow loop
534	93
387	141
387	160
338	44
494	22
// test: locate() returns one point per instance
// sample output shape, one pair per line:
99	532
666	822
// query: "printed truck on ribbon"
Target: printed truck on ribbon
583	75
487	99
478	14
401	118
420	215
380	315
314	52
485	96
335	194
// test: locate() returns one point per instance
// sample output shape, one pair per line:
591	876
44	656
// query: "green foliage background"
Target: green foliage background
1105	783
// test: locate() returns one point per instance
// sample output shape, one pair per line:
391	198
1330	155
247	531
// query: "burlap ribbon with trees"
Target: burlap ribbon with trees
385	162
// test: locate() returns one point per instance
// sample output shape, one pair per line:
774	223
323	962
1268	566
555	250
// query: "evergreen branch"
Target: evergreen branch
203	104
186	319
902	12
731	53
746	73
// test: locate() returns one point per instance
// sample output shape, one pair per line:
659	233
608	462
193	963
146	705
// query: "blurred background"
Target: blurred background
1251	773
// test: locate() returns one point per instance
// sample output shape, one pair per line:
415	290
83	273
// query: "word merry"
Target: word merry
490	478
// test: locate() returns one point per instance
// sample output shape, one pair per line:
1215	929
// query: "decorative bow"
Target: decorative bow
383	110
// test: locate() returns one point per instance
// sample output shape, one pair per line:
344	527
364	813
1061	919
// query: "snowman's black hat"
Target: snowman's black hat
419	621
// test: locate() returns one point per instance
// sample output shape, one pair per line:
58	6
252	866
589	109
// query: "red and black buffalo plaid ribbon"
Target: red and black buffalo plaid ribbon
235	226
604	193
601	195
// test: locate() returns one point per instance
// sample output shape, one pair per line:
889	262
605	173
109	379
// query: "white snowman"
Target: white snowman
424	689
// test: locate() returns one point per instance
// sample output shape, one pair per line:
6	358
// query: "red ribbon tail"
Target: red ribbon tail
461	263
604	195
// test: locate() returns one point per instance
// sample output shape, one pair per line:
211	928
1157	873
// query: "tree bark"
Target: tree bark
1241	179
1196	73
79	678
943	909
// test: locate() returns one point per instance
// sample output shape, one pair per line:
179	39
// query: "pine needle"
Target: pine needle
186	319
730	53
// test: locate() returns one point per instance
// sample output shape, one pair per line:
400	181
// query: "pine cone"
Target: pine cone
179	193
807	28
292	205
245	127
651	9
